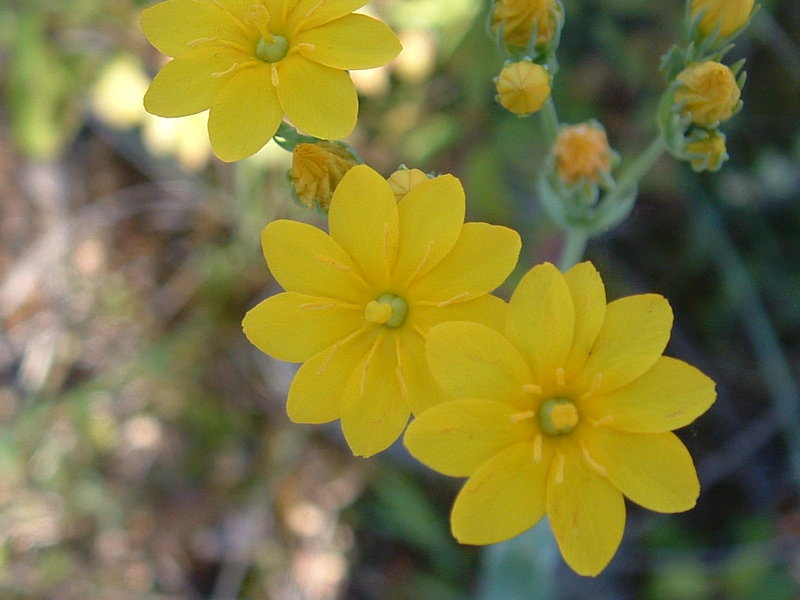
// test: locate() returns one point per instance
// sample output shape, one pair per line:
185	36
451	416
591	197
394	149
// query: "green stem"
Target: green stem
549	117
638	169
574	246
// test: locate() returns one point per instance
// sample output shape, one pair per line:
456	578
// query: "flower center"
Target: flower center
388	309
272	50
557	416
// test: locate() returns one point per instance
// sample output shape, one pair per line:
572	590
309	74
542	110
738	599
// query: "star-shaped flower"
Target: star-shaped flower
565	413
252	62
360	301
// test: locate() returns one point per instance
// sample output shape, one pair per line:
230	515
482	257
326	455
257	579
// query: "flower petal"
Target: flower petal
374	413
419	388
295	327
541	321
317	390
245	114
457	437
313	13
351	42
305	259
634	334
363	220
586	512
654	470
470	360
431	216
319	100
589	299
480	261
487	309
187	85
671	394
503	498
172	26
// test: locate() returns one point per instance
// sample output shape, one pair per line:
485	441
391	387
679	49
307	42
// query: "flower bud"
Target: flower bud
316	171
708	153
708	91
520	18
582	153
523	87
727	15
404	180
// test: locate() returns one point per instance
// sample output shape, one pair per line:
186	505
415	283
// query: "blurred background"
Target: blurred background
145	452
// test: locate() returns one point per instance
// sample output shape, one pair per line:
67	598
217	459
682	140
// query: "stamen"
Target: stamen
399	369
452	300
522	415
560	463
597	381
275	79
338	346
560	379
592	462
365	368
257	15
532	388
606	420
537	449
421	263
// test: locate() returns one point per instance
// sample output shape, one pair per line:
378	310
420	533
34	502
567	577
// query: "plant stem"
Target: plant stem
549	117
638	169
574	246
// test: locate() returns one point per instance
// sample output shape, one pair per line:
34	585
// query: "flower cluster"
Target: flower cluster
703	92
253	62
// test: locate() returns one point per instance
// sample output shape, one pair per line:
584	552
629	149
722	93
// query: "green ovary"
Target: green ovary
273	50
388	309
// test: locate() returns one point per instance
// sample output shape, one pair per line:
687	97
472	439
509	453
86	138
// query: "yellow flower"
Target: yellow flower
564	414
252	62
582	153
404	180
709	91
360	301
523	87
729	15
519	18
709	153
316	171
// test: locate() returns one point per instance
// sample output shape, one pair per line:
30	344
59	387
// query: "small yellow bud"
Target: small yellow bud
519	18
523	87
403	181
707	154
709	92
582	153
729	15
316	171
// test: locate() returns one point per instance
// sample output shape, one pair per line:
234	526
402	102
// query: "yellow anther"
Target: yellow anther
532	388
